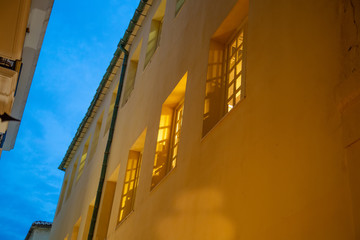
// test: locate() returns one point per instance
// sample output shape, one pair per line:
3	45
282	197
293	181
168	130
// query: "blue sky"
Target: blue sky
80	40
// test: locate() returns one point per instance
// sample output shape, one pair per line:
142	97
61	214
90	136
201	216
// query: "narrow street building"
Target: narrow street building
224	120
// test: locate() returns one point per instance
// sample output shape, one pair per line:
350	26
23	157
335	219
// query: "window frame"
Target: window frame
216	86
226	62
136	182
179	107
169	158
157	21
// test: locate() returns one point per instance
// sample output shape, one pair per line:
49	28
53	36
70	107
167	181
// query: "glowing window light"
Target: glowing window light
167	143
234	70
130	184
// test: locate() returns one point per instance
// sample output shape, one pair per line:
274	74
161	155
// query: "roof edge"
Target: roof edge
122	43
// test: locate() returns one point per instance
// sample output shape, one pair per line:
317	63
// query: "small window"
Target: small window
131	74
179	4
169	132
155	32
83	158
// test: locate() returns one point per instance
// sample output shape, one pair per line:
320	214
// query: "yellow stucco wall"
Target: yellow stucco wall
283	164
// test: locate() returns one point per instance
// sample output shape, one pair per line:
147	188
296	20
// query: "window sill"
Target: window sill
162	180
222	119
152	57
122	221
181	8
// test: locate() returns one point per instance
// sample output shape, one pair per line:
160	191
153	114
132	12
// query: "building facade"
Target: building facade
222	120
39	230
22	29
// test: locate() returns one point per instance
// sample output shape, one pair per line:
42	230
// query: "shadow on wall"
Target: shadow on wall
199	214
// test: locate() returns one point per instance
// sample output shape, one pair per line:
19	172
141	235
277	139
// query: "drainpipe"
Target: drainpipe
108	145
121	47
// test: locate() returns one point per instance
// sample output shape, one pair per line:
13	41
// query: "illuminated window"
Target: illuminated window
83	158
226	72
179	4
177	122
167	146
235	76
130	184
155	32
131	177
73	172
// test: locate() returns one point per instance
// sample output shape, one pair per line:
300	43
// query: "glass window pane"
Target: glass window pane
130	184
239	67
174	152
233	47
232	62
230	105
231	76
238	97
239	54
230	90
238	82
240	38
173	164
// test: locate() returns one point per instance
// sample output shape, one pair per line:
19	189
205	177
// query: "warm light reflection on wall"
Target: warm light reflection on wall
206	205
130	184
